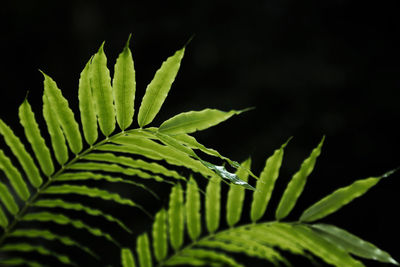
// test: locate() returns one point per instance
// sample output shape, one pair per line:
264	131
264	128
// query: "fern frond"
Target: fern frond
264	240
120	157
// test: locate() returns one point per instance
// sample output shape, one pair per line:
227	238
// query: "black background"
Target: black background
311	68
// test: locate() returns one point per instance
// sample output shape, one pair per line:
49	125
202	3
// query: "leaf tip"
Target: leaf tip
387	174
128	41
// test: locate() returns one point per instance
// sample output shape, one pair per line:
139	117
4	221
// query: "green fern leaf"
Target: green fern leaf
143	251
158	89
352	243
19	261
3	219
14	176
266	183
114	168
160	241
59	203
45	234
32	133
193	206
209	256
338	199
296	185
320	247
88	191
234	203
63	113
190	122
176	219
102	92
64	220
246	246
127	259
57	137
152	150
124	87
8	200
213	204
25	247
172	142
136	164
85	176
87	107
24	158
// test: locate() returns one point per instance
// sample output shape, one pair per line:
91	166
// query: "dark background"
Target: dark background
311	68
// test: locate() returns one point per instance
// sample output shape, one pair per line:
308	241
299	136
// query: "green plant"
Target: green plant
58	180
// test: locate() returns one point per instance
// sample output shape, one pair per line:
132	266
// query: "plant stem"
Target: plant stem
21	213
